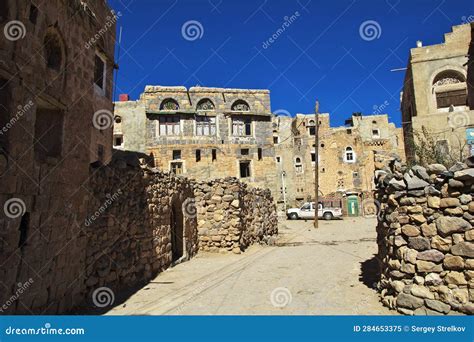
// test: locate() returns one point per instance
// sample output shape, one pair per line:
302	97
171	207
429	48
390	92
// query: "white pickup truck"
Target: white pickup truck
307	212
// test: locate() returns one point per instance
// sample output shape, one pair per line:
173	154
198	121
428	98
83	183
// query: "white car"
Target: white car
307	212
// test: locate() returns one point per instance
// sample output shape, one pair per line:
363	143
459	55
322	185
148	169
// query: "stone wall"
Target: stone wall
426	239
231	215
135	228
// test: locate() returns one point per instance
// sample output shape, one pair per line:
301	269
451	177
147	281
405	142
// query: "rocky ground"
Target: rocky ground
324	272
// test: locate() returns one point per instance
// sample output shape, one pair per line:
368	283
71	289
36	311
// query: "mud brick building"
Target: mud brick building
436	91
347	157
56	71
202	133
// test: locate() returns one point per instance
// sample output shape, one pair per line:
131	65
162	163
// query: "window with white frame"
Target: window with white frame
349	155
205	125
169	125
375	133
241	127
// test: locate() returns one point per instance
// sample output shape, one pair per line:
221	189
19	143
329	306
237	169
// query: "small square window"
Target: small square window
244	152
118	140
198	155
375	133
275	140
278	159
176	154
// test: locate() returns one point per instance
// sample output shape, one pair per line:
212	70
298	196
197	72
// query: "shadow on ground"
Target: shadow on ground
370	272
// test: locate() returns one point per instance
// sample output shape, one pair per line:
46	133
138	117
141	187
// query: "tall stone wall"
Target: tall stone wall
232	215
426	239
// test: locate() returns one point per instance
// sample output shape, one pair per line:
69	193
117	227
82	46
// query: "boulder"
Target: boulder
436	168
431	255
453	262
465	249
449	225
437	306
428	267
410	230
419	243
408	301
421	292
413	182
449	202
464	175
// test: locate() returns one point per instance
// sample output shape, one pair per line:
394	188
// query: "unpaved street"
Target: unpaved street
310	272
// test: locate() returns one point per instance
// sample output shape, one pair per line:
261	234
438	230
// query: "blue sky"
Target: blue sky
320	54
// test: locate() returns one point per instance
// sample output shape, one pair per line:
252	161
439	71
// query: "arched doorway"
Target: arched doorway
177	232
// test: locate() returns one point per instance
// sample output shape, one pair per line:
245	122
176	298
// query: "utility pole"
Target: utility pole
316	166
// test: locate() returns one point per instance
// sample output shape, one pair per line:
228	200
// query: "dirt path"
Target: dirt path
323	272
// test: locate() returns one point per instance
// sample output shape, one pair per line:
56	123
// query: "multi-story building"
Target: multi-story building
56	70
346	160
435	95
202	133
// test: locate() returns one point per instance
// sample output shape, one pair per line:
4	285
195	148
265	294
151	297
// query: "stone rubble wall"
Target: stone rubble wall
130	231
425	237
129	227
231	215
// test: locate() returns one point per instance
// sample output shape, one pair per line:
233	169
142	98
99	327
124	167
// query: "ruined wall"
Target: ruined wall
231	215
426	239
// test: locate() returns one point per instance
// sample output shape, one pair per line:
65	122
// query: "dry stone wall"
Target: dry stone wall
426	239
231	215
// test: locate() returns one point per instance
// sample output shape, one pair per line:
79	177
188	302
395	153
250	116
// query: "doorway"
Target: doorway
177	232
352	206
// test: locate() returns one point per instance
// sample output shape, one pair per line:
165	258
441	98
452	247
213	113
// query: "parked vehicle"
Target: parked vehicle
307	211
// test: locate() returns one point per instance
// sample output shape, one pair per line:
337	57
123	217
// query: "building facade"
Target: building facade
202	133
56	70
347	156
435	95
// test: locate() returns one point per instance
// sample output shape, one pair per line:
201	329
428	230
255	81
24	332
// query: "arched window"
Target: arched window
169	104
205	105
349	155
53	50
450	89
298	165
240	106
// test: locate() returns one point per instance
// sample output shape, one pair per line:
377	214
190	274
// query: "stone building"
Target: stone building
202	133
435	95
347	156
56	70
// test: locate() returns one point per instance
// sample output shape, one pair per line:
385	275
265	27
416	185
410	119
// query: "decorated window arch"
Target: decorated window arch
205	105
169	104
450	89
240	106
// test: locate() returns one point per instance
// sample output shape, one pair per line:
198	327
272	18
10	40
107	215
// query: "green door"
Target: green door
353	206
